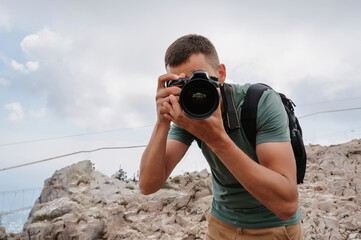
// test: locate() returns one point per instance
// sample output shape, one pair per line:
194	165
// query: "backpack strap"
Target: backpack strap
249	118
230	121
249	110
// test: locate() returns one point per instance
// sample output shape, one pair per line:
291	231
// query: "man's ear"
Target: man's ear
221	73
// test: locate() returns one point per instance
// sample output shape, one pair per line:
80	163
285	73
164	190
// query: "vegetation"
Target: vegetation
166	186
176	179
130	187
122	175
92	165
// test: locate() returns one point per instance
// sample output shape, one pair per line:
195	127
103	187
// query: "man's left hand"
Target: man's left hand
207	130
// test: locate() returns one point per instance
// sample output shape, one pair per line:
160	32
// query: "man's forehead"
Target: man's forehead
194	62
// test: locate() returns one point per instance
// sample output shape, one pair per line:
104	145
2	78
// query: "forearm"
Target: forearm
276	191
153	167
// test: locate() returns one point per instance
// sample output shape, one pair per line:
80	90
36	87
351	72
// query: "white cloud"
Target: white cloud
32	66
286	59
39	46
105	75
3	82
90	80
17	112
27	68
17	66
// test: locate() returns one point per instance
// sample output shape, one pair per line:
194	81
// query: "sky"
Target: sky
82	75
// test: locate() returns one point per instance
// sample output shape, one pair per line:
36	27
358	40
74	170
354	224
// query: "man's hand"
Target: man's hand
208	130
161	154
163	93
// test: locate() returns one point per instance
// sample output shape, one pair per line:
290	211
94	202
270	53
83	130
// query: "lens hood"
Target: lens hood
199	98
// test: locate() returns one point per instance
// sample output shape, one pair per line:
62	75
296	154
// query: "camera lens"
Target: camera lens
199	98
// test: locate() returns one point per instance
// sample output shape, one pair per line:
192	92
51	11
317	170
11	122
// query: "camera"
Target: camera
199	97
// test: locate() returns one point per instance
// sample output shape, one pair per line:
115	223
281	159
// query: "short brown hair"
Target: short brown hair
182	48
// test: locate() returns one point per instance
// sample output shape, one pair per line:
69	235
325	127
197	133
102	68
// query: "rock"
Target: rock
331	223
204	173
325	206
78	202
327	165
3	233
329	199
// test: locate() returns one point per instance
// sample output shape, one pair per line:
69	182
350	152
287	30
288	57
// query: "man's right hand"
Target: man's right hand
161	154
163	94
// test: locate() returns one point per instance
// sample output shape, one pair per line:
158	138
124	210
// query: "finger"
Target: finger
175	104
163	109
168	117
169	109
169	114
160	104
165	92
164	78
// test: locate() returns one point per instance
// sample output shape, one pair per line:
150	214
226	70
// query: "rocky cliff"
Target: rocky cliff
78	202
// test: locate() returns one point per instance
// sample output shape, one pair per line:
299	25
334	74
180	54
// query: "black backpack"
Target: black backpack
248	120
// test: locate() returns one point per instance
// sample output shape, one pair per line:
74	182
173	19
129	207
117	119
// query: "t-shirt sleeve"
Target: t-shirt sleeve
179	134
272	119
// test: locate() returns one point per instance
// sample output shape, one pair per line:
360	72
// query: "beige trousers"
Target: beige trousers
218	230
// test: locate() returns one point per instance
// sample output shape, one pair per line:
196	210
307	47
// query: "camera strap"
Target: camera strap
231	120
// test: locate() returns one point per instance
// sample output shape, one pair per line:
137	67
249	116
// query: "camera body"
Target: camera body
199	97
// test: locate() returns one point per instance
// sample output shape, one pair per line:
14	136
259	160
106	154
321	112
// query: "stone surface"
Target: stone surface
2	233
78	202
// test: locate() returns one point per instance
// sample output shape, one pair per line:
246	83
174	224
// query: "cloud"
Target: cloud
105	75
27	68
17	112
93	86
32	66
287	58
39	46
3	82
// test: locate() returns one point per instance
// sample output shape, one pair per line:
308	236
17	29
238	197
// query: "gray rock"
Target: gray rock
331	223
78	202
204	173
3	233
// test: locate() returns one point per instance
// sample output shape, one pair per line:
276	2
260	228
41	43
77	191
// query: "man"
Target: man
254	191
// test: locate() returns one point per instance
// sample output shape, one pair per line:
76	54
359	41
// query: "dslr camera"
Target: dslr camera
199	97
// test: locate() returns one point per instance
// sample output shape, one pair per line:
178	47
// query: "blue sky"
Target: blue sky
68	68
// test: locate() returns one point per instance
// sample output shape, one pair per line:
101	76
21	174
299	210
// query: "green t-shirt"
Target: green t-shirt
231	202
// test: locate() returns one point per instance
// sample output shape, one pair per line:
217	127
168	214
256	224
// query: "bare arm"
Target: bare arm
159	159
272	182
161	155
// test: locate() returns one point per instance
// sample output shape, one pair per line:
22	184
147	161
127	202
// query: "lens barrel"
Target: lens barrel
199	98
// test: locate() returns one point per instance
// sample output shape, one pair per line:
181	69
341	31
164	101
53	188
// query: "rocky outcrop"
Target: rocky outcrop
78	202
2	233
330	198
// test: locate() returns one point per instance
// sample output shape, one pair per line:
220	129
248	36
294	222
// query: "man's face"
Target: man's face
195	62
199	62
